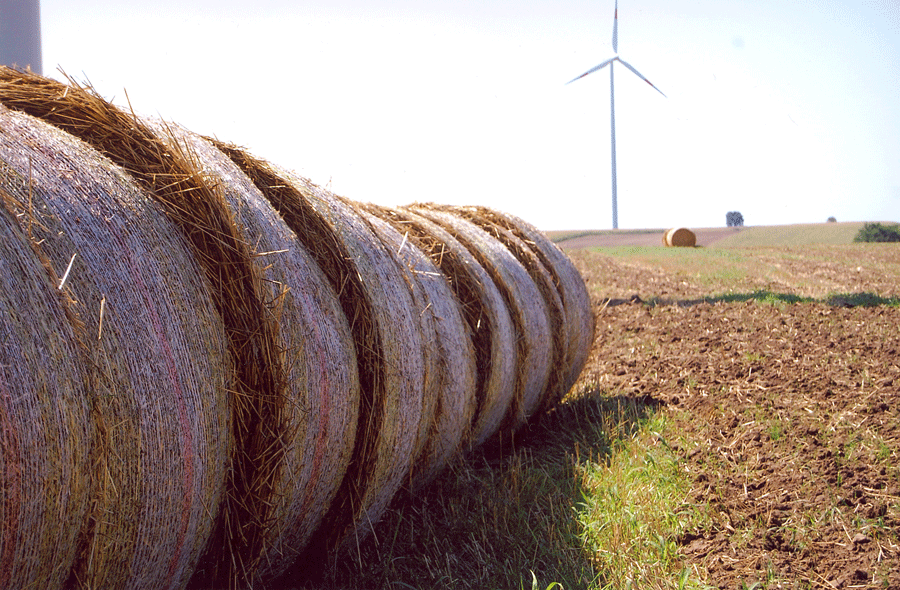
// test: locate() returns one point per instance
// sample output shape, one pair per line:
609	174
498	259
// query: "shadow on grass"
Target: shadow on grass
493	518
590	423
861	299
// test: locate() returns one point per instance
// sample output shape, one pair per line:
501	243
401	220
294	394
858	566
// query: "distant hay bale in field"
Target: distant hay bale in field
389	345
680	237
526	254
153	351
525	304
487	318
254	388
579	315
322	405
455	374
45	414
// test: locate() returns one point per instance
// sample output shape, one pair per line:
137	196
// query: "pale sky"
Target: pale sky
785	110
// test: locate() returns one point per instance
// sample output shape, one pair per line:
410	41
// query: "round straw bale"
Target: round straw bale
318	353
388	340
680	237
156	359
254	396
426	327
525	253
487	320
527	309
45	415
450	348
572	289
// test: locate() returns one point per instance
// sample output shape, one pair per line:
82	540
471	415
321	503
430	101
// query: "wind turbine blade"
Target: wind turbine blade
616	29
627	65
593	69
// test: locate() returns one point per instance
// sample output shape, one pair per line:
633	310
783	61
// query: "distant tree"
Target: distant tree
734	219
878	232
832	219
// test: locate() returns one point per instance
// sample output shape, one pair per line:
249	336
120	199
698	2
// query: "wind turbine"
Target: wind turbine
20	33
612	104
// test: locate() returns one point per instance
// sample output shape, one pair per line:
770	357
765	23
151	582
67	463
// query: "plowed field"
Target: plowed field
783	380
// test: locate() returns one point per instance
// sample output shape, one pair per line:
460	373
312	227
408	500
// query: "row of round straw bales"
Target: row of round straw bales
212	369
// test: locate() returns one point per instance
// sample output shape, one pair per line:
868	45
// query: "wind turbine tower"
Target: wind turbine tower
612	104
20	34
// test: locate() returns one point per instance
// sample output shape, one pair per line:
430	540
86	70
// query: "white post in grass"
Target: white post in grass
20	34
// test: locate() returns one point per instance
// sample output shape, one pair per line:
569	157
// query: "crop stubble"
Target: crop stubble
788	416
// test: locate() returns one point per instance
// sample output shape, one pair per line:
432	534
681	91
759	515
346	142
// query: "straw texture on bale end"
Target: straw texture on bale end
388	340
254	409
425	325
680	237
527	308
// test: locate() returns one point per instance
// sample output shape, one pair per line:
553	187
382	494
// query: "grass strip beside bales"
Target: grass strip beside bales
634	507
592	496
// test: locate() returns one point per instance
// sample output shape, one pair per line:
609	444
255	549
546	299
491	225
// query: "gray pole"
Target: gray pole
612	118
20	34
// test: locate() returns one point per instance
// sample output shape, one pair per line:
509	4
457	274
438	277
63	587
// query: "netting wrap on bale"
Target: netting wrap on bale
45	414
318	353
156	358
426	326
527	309
577	312
452	385
487	318
388	338
559	335
254	387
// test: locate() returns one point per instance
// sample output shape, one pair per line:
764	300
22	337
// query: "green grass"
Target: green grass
704	265
792	235
563	235
861	300
735	275
552	514
633	509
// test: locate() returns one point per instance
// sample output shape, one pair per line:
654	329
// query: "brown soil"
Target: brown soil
789	421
